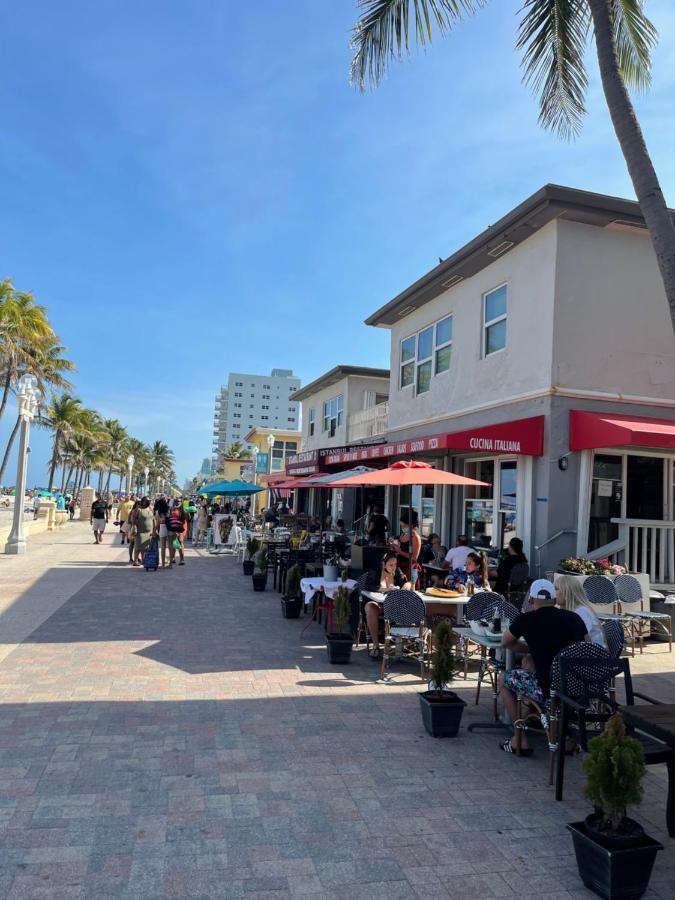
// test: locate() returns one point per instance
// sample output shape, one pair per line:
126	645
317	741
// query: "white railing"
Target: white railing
643	545
368	423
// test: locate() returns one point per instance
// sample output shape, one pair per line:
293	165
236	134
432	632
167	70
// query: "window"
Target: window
311	422
252	396
264	418
443	345
237	415
494	320
293	389
291	419
291	446
237	405
266	396
426	354
265	407
333	412
239	384
238	395
267	387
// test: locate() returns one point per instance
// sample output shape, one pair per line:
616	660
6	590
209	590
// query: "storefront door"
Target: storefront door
490	512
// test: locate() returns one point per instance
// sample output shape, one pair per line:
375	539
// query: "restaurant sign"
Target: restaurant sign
523	437
297	461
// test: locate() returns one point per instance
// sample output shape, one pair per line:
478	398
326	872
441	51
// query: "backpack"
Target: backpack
175	522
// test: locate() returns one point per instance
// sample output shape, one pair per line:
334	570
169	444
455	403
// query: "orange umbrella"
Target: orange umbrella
407	472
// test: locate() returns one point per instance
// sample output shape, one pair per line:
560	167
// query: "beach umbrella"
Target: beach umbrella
407	472
230	489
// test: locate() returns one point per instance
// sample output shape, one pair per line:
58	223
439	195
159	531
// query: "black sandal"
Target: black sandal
375	654
507	747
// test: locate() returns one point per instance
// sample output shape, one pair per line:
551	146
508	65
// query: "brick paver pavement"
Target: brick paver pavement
169	734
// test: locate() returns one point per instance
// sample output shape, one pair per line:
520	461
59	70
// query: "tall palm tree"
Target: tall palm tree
23	325
553	36
116	445
161	462
44	359
64	415
236	450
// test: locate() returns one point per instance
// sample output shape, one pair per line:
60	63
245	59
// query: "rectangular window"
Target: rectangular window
425	341
311	422
407	361
291	419
239	384
426	354
494	320
333	414
443	345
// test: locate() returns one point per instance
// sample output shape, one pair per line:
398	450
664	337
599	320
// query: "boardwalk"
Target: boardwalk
170	735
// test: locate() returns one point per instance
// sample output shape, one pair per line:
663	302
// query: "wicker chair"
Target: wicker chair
405	628
631	603
473	612
492	663
601	592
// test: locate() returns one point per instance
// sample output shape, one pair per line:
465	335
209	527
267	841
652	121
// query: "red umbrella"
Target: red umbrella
407	472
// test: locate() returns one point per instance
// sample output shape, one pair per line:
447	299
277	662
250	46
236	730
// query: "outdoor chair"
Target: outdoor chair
601	592
358	615
595	671
405	630
492	661
576	673
631	603
474	612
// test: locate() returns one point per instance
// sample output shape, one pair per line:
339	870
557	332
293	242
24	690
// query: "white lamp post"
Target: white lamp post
130	466
26	395
254	498
147	472
270	445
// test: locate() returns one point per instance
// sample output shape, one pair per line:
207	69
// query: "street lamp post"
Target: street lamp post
270	446
254	498
130	466
27	398
146	470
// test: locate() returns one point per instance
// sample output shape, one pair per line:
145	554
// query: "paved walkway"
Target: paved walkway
169	734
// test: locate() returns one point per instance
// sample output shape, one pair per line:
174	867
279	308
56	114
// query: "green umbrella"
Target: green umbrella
230	489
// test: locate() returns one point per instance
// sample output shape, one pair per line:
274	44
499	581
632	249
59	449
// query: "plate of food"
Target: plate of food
441	592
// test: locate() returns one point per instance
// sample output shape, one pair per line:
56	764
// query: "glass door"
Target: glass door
606	496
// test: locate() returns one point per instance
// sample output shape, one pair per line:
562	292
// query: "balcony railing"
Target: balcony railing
369	423
643	545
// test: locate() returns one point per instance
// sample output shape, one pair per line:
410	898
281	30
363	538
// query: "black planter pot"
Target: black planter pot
249	566
339	648
259	581
441	718
291	607
613	873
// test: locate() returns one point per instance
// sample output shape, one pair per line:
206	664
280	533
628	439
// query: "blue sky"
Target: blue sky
194	188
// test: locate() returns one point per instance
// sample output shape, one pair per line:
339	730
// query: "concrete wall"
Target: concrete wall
612	330
353	389
472	381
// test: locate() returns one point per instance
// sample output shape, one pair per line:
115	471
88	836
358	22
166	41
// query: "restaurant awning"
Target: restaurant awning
589	430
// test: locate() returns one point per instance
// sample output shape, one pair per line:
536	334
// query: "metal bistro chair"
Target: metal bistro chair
600	591
518	582
577	672
492	662
474	612
361	625
405	629
631	603
598	671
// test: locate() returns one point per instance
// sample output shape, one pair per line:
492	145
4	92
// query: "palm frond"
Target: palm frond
634	36
382	33
553	35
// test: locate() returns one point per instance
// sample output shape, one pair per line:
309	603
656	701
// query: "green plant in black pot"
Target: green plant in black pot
441	708
614	855
339	641
292	603
252	547
260	573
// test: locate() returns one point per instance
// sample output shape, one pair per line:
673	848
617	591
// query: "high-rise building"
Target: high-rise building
254	400
207	467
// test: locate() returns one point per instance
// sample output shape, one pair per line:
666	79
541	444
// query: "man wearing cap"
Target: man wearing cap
545	631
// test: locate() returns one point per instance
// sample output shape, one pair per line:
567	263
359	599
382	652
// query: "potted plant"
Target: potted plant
260	575
339	642
252	547
614	855
331	568
292	602
441	708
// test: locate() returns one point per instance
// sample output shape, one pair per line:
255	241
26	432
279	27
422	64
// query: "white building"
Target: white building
254	400
540	358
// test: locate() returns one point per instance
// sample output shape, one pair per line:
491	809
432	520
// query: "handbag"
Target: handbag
176	544
126	527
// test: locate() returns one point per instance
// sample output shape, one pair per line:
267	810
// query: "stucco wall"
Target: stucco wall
352	388
612	330
524	366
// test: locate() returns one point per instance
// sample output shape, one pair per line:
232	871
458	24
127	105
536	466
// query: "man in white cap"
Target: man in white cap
545	632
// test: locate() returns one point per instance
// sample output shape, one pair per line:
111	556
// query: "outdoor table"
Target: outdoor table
657	720
433	606
434	569
311	586
509	663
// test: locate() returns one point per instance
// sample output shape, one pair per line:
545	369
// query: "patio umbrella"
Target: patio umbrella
408	472
230	489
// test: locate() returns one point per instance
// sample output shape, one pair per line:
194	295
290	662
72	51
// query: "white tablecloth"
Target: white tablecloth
309	586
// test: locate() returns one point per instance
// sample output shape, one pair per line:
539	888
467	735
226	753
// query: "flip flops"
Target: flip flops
507	747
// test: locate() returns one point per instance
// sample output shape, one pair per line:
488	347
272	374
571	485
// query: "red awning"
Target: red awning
590	430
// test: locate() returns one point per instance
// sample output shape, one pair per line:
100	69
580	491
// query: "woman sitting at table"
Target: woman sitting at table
390	578
475	572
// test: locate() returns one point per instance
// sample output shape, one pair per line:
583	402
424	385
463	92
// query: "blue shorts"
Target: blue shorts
519	681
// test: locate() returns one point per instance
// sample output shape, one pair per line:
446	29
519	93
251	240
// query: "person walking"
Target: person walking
161	516
131	532
123	513
98	518
36	506
144	526
177	526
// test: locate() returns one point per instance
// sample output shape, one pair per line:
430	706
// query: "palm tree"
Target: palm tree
236	450
116	437
45	360
64	415
553	38
23	326
161	462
